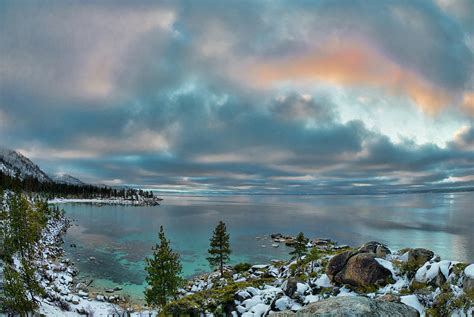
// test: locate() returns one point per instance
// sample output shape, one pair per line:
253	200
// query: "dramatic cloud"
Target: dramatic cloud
318	96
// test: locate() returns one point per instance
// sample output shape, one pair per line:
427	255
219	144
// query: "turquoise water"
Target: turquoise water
120	237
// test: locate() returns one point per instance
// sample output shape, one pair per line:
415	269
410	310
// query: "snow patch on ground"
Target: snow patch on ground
469	271
412	300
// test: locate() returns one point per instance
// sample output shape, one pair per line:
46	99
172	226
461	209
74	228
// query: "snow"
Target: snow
116	201
386	264
283	303
301	288
404	257
312	298
259	310
412	300
469	271
429	271
323	281
259	266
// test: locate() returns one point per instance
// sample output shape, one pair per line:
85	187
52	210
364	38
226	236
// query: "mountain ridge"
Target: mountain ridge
13	163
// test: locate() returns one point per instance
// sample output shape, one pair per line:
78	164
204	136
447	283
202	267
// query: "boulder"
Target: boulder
418	257
362	270
352	306
468	280
290	287
377	248
337	263
393	298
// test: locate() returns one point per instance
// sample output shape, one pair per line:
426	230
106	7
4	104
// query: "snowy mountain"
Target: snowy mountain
13	163
67	179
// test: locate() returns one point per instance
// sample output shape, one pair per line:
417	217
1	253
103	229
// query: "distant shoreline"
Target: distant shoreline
155	201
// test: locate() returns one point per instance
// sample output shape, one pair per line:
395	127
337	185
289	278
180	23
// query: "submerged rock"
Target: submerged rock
353	306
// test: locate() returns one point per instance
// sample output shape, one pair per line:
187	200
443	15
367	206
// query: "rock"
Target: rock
418	257
392	298
290	242
117	288
109	290
81	286
337	263
440	279
276	236
379	249
82	311
348	306
92	258
83	294
362	270
468	280
322	241
290	286
100	298
242	295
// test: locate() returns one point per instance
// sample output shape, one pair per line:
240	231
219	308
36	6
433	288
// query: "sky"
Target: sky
242	96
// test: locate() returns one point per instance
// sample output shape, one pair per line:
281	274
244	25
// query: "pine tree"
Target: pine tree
22	226
313	255
300	246
164	273
219	248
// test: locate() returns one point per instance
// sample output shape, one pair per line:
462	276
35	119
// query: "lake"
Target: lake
120	237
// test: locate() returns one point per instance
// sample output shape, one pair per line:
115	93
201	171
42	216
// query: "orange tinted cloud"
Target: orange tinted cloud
355	64
468	101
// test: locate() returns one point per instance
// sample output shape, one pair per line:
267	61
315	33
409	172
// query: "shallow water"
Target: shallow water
120	237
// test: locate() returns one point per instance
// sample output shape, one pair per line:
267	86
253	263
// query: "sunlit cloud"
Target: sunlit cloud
354	64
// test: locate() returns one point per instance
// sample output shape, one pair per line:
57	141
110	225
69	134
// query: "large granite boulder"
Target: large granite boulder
353	306
337	263
362	270
359	268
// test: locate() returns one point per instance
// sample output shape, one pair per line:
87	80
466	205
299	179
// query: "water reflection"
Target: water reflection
121	237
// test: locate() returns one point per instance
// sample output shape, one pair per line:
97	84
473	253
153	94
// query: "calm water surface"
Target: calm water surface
120	237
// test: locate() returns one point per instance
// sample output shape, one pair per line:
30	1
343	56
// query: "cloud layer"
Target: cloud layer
243	96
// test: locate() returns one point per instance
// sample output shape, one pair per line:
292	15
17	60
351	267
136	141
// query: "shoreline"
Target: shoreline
271	287
155	201
57	274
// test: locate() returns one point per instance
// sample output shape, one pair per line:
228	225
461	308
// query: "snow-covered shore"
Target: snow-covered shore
413	277
141	201
65	296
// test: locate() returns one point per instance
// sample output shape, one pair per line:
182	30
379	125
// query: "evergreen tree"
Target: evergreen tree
300	248
219	247
22	227
313	256
164	273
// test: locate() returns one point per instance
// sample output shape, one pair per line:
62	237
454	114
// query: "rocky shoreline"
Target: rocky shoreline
65	294
372	278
